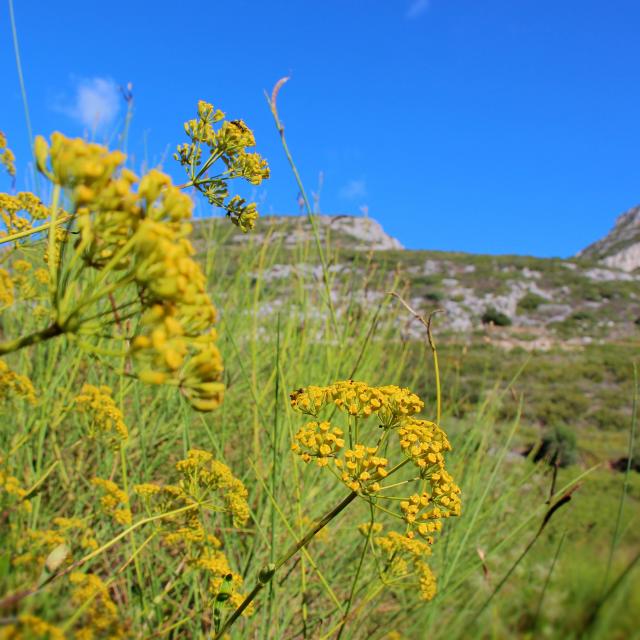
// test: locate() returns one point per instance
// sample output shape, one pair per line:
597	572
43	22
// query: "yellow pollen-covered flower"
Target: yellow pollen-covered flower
14	385
7	159
318	441
100	619
114	502
28	626
362	469
105	417
423	442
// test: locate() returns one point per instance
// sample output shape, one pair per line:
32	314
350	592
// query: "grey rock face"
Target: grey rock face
620	248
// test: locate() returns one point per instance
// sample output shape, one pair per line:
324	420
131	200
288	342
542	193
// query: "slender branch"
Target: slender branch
28	232
51	331
432	345
266	575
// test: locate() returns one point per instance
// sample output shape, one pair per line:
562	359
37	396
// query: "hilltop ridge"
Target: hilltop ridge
620	248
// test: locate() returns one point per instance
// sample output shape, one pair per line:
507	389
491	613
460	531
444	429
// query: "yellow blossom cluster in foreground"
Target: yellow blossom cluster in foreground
366	464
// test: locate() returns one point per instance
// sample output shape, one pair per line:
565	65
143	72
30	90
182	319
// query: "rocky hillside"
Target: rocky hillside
359	233
620	248
533	303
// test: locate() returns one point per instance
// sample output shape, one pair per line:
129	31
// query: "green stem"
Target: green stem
310	214
132	536
51	331
53	257
23	90
266	575
355	581
28	232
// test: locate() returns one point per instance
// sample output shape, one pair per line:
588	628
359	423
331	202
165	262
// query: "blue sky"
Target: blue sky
493	126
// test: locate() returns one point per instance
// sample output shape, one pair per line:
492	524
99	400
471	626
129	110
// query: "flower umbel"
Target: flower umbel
367	465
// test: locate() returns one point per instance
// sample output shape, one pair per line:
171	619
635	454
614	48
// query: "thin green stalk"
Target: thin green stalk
266	575
534	624
274	474
355	581
610	591
28	232
625	485
304	551
12	599
53	257
23	91
489	484
310	215
132	536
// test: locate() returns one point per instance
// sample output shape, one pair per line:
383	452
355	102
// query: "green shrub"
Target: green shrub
493	316
434	296
529	302
559	446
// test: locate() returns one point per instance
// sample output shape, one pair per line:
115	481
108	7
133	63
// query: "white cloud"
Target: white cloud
354	189
96	102
417	8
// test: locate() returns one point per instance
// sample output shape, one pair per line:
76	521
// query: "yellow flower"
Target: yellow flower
30	627
105	418
318	441
101	617
12	493
115	502
6	288
7	159
423	442
15	385
227	144
427	582
362	469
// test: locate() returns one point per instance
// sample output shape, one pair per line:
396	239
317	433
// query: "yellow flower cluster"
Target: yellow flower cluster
164	350
445	493
22	282
105	417
228	144
30	627
404	557
12	494
31	282
15	385
423	442
318	441
12	206
201	479
114	502
362	469
100	619
389	403
203	475
7	159
418	511
138	229
7	295
223	584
